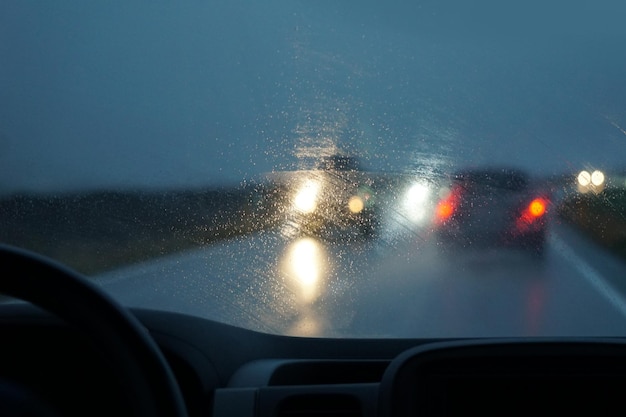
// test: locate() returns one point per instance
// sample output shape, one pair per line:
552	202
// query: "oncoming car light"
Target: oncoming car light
584	178
591	181
305	199
597	178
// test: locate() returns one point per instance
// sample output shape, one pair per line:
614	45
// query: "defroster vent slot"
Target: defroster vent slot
320	405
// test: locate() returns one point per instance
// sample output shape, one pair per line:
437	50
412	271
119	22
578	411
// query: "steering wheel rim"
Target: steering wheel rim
135	357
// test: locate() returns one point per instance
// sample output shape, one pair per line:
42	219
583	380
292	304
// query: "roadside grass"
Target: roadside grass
601	216
103	230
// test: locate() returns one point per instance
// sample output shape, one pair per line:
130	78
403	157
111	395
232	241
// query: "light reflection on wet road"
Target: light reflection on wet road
396	286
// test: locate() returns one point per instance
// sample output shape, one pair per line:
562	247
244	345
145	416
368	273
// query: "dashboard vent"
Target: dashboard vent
320	405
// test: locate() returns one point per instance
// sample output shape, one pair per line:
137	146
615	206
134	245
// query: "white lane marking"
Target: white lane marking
594	277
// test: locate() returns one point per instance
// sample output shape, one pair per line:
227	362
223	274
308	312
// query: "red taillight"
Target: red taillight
446	207
537	208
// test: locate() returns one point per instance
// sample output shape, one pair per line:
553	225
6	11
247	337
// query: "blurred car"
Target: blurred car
497	206
336	198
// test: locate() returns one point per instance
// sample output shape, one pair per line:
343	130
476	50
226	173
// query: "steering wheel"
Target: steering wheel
134	356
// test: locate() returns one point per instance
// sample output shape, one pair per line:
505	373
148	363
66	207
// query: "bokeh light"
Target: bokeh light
356	204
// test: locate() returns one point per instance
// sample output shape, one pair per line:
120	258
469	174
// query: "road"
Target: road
398	285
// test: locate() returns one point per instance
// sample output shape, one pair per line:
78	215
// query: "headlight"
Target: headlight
591	181
584	178
597	178
305	199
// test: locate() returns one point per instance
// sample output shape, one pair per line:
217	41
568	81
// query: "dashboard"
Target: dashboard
228	371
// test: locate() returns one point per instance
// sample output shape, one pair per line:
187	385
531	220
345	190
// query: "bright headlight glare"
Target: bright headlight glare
306	197
597	178
414	203
417	194
584	178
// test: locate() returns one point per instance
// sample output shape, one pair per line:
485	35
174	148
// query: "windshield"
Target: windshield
326	168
